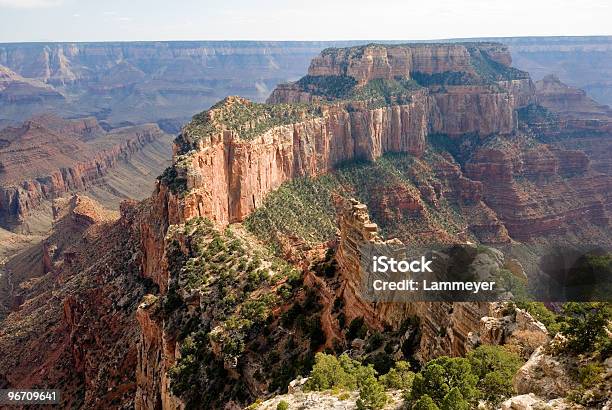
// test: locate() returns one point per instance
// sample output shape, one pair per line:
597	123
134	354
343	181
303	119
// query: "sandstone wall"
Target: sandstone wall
228	177
17	202
378	61
446	328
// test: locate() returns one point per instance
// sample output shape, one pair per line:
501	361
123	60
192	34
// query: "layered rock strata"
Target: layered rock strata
48	157
446	328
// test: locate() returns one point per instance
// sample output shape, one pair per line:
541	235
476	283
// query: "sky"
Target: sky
130	20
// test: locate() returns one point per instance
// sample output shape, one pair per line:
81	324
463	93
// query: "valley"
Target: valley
216	270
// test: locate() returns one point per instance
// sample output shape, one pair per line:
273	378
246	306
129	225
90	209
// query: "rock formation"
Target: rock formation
47	157
120	301
447	328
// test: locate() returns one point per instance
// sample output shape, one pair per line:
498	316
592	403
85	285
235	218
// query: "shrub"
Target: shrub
282	405
399	377
590	374
441	375
454	401
585	325
371	394
329	371
495	368
425	403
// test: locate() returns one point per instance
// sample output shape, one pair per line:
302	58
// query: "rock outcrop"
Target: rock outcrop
446	328
47	157
20	91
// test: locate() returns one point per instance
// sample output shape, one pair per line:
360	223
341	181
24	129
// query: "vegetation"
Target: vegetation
425	403
381	92
445	78
282	405
399	377
236	284
175	183
442	374
345	373
543	315
490	70
458	383
445	383
372	394
586	326
304	208
329	86
248	119
495	368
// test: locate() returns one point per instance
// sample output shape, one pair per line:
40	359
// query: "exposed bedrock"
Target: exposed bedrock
446	328
18	201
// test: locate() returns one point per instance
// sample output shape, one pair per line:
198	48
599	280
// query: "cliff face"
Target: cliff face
85	341
244	171
227	165
377	61
48	157
446	328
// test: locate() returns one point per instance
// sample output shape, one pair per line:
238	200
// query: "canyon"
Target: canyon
174	301
47	157
168	82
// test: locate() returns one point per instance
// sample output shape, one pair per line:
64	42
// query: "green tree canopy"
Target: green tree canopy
441	375
425	403
454	401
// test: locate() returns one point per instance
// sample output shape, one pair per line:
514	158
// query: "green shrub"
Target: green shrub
441	375
282	405
399	377
371	393
585	325
454	401
590	374
425	403
329	371
495	367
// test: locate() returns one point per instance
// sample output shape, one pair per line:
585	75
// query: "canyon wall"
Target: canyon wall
370	62
446	328
20	198
244	171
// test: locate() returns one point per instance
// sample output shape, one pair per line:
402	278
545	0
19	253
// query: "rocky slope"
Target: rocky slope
73	326
177	305
47	157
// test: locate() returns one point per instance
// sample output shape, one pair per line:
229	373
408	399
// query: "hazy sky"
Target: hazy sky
98	20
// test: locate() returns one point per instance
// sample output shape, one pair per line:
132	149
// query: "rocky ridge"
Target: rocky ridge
47	157
222	172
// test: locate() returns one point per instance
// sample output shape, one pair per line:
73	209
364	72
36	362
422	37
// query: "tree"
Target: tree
399	377
454	401
327	372
440	375
495	368
371	394
585	325
425	403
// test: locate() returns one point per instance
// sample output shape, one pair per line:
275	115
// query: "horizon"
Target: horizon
63	21
359	41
